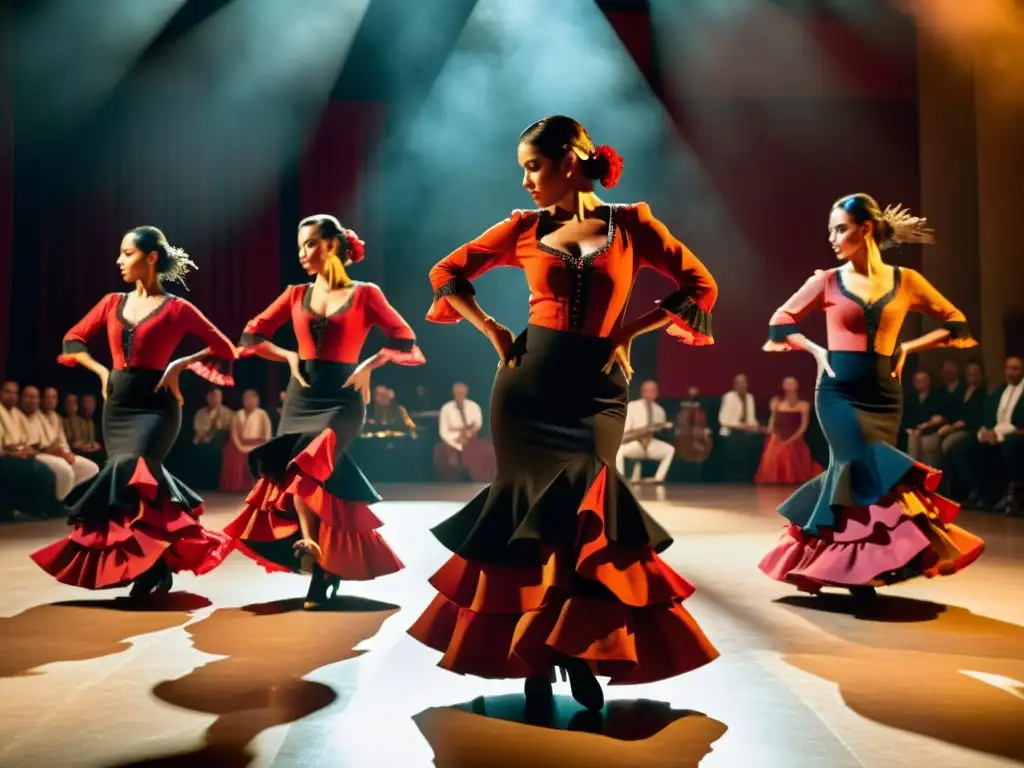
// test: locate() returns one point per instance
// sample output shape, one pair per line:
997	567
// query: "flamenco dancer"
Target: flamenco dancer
311	501
555	563
873	517
139	524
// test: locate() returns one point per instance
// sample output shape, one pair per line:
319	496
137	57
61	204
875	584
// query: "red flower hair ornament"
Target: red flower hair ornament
356	247
614	159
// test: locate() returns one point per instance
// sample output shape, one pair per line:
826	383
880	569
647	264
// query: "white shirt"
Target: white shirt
638	417
1004	414
450	422
38	432
255	426
731	415
13	429
53	425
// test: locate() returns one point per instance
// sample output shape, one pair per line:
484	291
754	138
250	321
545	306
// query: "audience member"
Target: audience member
742	436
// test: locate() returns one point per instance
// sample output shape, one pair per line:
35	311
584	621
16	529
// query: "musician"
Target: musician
645	416
693	436
740	433
458	424
385	415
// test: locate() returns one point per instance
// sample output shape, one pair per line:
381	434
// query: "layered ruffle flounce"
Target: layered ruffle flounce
619	607
874	521
133	515
786	463
336	491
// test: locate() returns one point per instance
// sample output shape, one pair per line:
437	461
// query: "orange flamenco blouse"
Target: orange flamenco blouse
584	294
853	325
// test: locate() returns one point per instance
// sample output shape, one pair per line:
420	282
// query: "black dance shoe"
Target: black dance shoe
863	596
584	686
157	579
319	585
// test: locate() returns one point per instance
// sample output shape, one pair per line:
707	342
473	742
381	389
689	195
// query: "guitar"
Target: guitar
641	432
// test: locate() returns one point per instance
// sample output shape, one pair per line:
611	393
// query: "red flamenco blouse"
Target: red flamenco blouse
338	336
150	342
586	294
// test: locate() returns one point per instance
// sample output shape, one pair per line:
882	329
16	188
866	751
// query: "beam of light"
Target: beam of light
986	36
513	64
250	81
72	53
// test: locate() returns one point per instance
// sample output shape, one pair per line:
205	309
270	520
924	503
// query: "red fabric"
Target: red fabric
500	621
156	336
115	551
786	463
352	548
638	240
844	317
234	469
346	330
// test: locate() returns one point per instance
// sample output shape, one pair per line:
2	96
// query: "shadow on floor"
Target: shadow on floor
78	630
269	647
956	678
495	732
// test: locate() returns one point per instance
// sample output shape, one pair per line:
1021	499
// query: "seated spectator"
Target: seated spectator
51	446
990	463
964	413
29	487
922	414
81	432
742	436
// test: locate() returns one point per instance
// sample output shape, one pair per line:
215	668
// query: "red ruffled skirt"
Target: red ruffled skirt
556	557
308	462
153	516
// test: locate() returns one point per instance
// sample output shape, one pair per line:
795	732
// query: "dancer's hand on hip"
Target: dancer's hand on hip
360	381
901	360
169	381
620	355
502	340
821	356
295	365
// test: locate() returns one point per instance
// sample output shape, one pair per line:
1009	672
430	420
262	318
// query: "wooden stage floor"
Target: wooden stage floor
229	671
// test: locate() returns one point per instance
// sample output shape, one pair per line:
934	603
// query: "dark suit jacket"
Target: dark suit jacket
992	409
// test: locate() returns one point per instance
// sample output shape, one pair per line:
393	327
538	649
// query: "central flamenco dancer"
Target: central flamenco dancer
311	502
873	517
555	563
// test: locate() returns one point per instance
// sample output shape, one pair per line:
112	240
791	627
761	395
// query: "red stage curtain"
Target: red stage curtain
199	188
336	165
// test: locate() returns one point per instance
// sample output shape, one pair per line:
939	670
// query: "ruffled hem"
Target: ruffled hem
111	550
440	310
352	548
410	357
618	607
876	545
215	370
690	323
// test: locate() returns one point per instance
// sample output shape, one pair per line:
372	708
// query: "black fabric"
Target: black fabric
138	422
251	340
782	332
73	347
681	304
556	421
958	329
307	412
457	286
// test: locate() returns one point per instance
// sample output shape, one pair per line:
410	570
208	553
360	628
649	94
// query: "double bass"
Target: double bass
693	438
